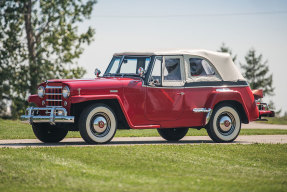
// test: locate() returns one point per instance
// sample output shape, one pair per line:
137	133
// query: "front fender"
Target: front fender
83	98
35	99
226	95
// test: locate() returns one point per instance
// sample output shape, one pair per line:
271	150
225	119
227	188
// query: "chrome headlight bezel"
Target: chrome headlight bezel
41	91
66	92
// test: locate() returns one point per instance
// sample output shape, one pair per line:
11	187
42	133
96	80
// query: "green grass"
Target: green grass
16	130
276	120
257	167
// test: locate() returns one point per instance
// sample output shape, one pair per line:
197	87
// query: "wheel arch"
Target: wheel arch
77	108
238	106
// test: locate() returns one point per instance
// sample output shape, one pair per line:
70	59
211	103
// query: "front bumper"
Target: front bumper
53	115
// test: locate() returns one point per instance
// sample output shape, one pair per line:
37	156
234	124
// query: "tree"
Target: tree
39	40
226	49
256	72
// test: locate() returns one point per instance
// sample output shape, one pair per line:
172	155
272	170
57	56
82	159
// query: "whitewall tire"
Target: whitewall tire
97	124
224	124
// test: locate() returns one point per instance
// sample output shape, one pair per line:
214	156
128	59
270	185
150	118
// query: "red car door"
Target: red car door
165	92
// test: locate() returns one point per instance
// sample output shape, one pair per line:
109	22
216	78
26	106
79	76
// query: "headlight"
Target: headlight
41	91
66	92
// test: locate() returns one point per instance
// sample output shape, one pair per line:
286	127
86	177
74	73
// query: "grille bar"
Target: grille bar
53	99
53	95
53	87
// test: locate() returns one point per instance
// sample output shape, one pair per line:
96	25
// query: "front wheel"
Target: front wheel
224	125
97	124
49	133
172	134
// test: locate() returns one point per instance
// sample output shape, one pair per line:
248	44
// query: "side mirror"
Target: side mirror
141	72
97	72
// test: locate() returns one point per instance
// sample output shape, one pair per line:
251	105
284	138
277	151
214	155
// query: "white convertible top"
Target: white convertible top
221	61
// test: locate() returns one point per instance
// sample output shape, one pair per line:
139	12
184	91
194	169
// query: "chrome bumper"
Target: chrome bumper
54	115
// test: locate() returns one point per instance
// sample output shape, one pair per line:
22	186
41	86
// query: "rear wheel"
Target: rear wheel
97	124
49	133
172	134
224	124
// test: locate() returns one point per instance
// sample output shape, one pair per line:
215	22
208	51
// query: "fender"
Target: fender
35	99
220	95
83	98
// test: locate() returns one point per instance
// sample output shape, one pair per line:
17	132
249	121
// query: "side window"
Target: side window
200	67
156	72
172	70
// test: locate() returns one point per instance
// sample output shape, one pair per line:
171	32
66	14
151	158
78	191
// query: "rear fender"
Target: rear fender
226	95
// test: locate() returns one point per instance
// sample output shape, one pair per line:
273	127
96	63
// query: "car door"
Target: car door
164	91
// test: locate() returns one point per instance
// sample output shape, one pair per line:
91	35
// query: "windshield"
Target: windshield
127	65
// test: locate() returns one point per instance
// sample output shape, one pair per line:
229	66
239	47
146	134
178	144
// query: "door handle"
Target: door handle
180	93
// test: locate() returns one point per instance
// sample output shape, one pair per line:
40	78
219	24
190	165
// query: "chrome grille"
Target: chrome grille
53	96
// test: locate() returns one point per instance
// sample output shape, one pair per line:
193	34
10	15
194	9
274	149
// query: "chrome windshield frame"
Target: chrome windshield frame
121	62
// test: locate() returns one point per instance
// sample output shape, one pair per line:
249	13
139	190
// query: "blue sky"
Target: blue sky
137	25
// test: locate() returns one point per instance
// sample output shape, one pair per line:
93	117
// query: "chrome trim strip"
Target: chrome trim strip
204	110
53	106
52	118
114	91
53	87
208	116
224	90
201	110
182	87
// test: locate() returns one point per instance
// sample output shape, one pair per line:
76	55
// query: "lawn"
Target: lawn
257	167
16	130
276	120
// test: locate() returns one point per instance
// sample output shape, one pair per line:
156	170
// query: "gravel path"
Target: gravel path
244	139
255	125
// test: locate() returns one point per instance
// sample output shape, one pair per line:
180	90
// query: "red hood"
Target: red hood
93	86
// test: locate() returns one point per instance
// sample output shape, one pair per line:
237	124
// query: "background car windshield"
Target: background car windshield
129	65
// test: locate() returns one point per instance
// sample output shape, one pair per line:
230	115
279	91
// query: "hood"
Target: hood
100	85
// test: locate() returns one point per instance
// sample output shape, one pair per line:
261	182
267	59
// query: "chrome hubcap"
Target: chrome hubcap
225	123
100	124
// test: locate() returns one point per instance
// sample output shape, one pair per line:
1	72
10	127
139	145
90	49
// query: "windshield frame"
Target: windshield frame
120	65
111	64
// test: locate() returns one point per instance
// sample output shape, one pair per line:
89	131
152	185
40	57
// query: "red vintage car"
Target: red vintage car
169	91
